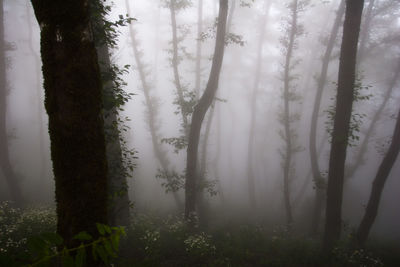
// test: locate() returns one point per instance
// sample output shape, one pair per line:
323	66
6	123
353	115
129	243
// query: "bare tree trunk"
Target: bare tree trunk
378	185
200	111
365	31
73	101
341	126
159	152
319	181
5	164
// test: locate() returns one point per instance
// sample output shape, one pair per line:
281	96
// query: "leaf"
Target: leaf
37	247
67	261
83	236
102	253
80	256
109	249
100	228
115	241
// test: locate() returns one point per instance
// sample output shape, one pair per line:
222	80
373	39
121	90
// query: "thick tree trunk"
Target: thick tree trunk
5	164
73	102
377	187
318	179
344	102
200	111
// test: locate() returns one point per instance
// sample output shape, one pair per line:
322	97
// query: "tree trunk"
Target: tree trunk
200	111
365	31
198	47
5	164
378	185
286	114
344	102
175	64
73	102
318	179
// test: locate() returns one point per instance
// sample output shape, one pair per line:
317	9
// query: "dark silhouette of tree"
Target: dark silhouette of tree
341	124
319	182
377	186
5	164
199	112
73	101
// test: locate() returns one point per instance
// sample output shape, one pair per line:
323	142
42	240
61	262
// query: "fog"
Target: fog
249	106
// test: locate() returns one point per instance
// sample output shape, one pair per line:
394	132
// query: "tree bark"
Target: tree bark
341	126
200	111
198	47
318	179
5	164
377	187
73	101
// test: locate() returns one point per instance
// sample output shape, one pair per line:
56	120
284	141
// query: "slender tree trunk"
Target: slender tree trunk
198	47
256	84
73	101
364	144
5	164
286	114
175	67
365	31
344	102
377	187
319	181
200	111
159	152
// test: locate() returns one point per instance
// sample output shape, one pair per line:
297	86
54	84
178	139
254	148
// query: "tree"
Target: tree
291	32
152	116
319	182
341	124
256	84
199	113
377	186
73	101
8	172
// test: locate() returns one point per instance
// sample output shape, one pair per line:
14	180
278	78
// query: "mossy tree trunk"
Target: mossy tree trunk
341	124
73	102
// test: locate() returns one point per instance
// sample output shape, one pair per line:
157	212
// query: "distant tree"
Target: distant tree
5	164
292	31
377	186
341	125
253	104
319	181
199	112
152	105
73	101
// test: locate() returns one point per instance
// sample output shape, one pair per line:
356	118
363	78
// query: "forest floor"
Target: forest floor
156	241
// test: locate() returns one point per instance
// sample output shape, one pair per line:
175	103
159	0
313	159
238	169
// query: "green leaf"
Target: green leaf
100	228
83	236
115	241
109	249
102	253
37	247
53	238
80	256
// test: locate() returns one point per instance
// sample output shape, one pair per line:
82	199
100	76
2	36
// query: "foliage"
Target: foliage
171	180
43	248
356	118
